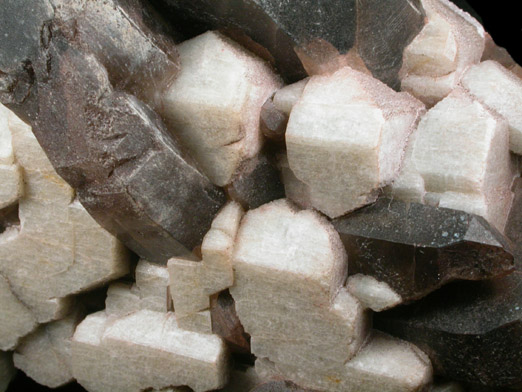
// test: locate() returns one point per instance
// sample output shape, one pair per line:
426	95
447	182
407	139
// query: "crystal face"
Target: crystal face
258	195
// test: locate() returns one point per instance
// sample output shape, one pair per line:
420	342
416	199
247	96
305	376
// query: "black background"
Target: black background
502	19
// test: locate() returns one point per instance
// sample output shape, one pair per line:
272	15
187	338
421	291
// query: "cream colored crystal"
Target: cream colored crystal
434	61
286	98
409	185
289	267
153	282
16	319
197	322
57	249
377	296
10	174
500	90
150	291
214	104
217	247
186	286
45	354
461	151
145	350
384	363
346	138
7	370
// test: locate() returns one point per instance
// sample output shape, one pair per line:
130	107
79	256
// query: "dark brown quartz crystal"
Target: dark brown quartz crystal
472	331
304	35
258	182
226	324
110	146
416	248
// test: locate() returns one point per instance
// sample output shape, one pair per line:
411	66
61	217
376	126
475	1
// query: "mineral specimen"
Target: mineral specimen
313	35
257	183
45	354
435	60
168	122
500	90
150	343
106	143
346	138
468	330
137	330
289	269
52	248
415	249
473	173
226	324
214	104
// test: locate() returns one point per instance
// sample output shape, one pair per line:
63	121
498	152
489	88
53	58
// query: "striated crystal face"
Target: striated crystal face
216	195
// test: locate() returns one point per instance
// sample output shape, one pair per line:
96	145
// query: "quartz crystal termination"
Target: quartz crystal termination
314	37
416	248
104	142
470	330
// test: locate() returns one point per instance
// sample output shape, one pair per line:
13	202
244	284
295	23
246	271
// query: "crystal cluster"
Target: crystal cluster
258	195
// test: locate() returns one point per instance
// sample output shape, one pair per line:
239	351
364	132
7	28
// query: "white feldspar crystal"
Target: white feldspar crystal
7	370
214	104
122	299
500	90
409	185
434	61
57	249
461	151
198	322
16	319
217	248
289	267
346	138
145	350
186	286
10	174
286	98
152	281
384	363
371	293
149	292
45	354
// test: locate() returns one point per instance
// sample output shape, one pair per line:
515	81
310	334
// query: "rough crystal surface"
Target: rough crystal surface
346	138
314	36
45	354
150	343
500	90
461	151
468	330
415	248
102	141
53	248
435	60
213	106
289	269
